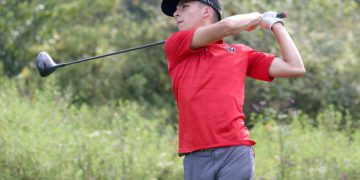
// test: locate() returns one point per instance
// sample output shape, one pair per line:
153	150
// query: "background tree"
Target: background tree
326	33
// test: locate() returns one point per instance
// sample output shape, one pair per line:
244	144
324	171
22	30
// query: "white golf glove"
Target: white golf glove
269	14
269	19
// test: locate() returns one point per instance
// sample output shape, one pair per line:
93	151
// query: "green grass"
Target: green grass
42	136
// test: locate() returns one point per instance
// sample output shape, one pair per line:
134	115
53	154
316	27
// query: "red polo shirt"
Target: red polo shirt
208	84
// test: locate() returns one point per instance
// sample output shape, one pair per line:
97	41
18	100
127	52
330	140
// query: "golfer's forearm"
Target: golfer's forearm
239	23
289	51
229	26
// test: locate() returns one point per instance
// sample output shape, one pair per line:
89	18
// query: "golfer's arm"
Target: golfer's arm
229	26
292	64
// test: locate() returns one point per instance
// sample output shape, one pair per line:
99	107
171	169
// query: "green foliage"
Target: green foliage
326	35
298	150
111	119
43	137
72	30
114	119
325	31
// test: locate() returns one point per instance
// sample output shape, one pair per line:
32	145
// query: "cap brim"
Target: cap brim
168	7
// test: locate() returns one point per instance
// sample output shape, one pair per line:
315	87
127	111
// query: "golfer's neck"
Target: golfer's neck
202	24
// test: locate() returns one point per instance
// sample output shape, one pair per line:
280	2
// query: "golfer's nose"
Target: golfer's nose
176	13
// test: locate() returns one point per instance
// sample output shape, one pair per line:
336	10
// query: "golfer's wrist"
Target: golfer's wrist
277	26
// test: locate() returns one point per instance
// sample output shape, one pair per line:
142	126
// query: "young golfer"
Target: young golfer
208	80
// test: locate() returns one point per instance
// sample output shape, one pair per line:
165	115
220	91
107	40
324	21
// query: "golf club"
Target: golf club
46	65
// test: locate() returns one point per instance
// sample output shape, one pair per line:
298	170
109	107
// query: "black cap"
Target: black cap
168	7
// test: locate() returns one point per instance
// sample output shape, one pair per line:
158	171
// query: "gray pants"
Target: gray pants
228	163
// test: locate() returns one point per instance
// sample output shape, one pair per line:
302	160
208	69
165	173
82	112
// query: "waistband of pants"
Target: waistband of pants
200	150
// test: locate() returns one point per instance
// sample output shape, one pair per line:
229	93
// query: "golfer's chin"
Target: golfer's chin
182	27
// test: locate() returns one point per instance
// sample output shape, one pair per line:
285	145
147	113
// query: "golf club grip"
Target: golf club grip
282	15
113	53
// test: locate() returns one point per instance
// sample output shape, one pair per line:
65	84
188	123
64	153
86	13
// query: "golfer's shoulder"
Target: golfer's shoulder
178	39
181	36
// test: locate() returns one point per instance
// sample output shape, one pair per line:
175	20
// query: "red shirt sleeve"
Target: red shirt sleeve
178	46
259	65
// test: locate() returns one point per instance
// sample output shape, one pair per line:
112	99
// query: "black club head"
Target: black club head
45	64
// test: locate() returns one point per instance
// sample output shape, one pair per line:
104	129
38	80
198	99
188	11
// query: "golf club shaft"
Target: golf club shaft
279	15
111	54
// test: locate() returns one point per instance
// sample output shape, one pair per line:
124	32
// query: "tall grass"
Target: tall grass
42	136
306	149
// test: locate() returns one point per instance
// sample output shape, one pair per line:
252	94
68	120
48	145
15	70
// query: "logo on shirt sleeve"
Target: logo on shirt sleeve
231	49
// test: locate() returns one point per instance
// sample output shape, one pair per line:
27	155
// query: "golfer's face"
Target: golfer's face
188	14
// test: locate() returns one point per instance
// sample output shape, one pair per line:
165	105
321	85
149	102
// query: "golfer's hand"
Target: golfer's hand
268	19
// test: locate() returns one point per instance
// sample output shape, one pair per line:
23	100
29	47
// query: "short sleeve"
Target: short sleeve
178	46
259	65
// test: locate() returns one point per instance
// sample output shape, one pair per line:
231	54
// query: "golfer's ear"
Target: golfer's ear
206	11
